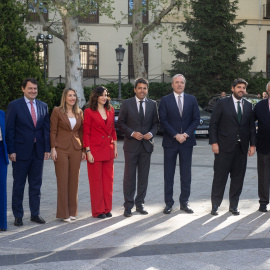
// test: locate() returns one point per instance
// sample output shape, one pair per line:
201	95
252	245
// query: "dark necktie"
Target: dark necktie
239	112
141	110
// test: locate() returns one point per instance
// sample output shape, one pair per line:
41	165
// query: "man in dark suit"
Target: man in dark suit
138	120
28	143
231	131
262	114
179	116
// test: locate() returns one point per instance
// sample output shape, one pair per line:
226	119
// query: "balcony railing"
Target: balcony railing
91	18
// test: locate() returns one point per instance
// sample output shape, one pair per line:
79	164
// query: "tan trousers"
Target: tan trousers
67	169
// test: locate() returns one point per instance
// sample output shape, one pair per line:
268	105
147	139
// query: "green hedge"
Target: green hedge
52	95
156	90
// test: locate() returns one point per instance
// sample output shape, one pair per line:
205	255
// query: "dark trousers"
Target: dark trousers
263	167
185	158
140	161
233	163
3	188
33	169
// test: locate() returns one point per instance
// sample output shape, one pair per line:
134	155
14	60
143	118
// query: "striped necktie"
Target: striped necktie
180	107
33	114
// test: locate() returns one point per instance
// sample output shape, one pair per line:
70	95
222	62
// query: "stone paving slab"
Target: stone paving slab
154	241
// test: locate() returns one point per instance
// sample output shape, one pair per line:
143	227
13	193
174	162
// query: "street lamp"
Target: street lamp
120	52
45	40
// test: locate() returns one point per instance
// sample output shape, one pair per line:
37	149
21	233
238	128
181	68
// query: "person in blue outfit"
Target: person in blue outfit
28	144
179	115
3	174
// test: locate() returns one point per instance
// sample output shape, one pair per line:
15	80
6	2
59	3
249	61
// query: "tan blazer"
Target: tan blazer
61	133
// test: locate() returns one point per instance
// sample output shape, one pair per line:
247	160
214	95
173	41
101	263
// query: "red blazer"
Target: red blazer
99	136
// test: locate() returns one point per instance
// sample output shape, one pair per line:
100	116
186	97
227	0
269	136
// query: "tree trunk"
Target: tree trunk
73	69
137	40
139	31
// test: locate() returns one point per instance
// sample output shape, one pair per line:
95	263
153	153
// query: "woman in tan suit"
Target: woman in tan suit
67	153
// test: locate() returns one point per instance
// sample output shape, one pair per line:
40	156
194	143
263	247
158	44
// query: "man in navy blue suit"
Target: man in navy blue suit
262	113
179	116
28	143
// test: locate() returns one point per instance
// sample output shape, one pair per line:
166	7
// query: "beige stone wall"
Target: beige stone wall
159	59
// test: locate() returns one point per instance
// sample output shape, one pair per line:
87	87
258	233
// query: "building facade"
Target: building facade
100	39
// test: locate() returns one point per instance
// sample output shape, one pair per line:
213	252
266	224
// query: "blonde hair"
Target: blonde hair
63	107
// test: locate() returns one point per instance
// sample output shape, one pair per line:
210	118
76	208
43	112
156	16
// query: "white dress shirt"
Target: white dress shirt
138	104
236	104
1	139
72	122
182	101
29	105
181	98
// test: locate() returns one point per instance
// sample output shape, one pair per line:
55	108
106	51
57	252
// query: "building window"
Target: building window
93	16
130	59
32	13
89	59
41	48
145	15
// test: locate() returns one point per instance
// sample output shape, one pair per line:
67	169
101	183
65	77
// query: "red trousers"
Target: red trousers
100	175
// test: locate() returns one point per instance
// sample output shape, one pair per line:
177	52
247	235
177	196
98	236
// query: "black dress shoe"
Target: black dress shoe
3	230
186	209
214	211
234	210
109	214
38	219
127	212
141	210
167	209
263	208
101	216
18	221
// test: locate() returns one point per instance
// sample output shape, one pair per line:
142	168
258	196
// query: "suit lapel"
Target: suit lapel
245	107
147	109
232	108
78	121
266	108
100	120
174	104
26	111
135	108
109	119
65	118
185	104
2	125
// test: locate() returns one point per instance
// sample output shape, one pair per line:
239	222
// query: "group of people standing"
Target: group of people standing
28	137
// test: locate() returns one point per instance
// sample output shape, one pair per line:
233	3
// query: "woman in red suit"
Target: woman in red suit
100	142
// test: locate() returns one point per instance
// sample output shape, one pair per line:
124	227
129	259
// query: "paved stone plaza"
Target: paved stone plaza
154	241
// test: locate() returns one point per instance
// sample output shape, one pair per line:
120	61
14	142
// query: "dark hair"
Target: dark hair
238	81
32	80
93	99
141	80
